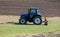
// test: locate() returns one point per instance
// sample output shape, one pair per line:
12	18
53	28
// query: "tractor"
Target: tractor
33	15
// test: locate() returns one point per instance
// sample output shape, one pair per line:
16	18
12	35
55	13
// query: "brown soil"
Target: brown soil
8	19
37	35
50	8
15	19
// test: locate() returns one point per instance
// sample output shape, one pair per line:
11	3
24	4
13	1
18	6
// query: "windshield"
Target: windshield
33	11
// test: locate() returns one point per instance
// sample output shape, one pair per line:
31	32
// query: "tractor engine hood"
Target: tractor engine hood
24	15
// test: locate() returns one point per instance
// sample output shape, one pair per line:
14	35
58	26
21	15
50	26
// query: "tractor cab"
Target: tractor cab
33	11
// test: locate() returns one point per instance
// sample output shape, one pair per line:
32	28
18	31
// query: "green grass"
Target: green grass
13	29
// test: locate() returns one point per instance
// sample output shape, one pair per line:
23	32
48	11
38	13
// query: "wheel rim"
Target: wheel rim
37	20
22	21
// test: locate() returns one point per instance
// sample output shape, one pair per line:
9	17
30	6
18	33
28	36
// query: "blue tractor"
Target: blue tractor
33	15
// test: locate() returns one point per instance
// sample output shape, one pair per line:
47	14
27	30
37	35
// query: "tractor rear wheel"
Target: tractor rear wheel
37	20
22	21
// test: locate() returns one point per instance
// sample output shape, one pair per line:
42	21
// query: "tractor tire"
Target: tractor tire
22	21
37	20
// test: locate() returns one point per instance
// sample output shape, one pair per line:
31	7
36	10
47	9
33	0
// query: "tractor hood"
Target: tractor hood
24	15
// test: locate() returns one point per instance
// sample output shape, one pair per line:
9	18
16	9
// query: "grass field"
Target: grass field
7	30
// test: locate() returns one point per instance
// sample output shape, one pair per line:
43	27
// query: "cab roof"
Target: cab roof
33	8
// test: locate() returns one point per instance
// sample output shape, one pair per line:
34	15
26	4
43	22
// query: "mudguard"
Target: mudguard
36	15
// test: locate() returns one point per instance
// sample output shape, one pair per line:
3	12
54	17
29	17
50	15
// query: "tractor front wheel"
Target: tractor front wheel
22	21
37	20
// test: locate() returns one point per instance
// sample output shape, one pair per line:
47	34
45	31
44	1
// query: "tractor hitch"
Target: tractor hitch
45	21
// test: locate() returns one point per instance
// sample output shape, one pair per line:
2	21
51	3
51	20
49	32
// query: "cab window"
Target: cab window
33	10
